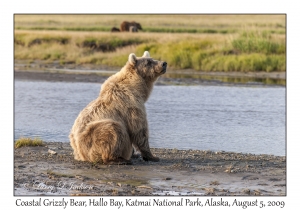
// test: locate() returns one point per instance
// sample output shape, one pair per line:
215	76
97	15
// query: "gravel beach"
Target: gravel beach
52	170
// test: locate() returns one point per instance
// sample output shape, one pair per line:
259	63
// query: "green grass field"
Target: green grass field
200	42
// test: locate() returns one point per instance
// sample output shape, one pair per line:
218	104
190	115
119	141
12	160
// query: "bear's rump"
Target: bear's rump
104	139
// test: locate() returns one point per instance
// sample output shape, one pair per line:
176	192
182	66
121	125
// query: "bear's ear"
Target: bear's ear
132	59
146	54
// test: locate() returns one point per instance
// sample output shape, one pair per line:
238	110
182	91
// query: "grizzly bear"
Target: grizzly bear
114	29
110	126
125	26
133	29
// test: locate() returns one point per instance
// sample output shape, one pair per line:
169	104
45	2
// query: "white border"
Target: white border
8	8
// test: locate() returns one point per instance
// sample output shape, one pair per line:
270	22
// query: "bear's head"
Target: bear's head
146	67
138	26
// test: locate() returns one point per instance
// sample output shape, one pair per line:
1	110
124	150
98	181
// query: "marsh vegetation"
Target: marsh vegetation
201	42
28	142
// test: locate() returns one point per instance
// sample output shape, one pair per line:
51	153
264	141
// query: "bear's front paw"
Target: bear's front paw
136	156
154	159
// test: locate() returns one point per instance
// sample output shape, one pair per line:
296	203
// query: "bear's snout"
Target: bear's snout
164	67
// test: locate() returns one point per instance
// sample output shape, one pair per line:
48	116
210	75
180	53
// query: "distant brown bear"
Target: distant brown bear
125	26
110	126
114	29
133	29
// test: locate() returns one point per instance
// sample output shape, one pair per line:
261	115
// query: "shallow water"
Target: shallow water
237	119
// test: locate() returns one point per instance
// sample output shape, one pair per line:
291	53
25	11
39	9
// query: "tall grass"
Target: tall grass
244	63
258	42
28	39
250	53
26	142
246	51
175	23
145	29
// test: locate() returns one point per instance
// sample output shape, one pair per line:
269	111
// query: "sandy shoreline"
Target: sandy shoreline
179	172
42	71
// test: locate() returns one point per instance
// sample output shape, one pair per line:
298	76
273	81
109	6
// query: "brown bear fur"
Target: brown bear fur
125	26
109	127
133	29
114	29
